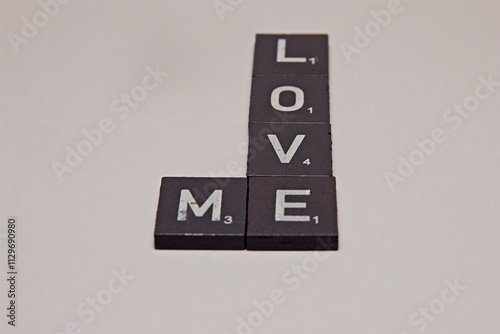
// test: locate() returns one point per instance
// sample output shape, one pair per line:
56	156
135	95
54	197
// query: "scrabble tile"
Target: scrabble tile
292	213
295	55
289	99
201	213
289	149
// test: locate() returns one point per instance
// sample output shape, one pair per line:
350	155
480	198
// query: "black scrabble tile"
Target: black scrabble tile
289	149
292	213
289	99
201	213
295	55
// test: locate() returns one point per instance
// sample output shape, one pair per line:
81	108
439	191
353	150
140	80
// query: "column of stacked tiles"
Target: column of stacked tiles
291	190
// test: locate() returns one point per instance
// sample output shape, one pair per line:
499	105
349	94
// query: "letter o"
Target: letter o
104	297
255	319
471	103
436	306
372	32
299	98
40	19
414	161
80	148
310	264
139	93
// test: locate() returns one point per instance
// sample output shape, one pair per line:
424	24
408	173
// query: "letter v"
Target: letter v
285	157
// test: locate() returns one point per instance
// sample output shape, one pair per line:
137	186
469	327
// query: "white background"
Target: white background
397	248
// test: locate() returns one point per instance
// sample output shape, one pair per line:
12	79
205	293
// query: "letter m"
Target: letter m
186	199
